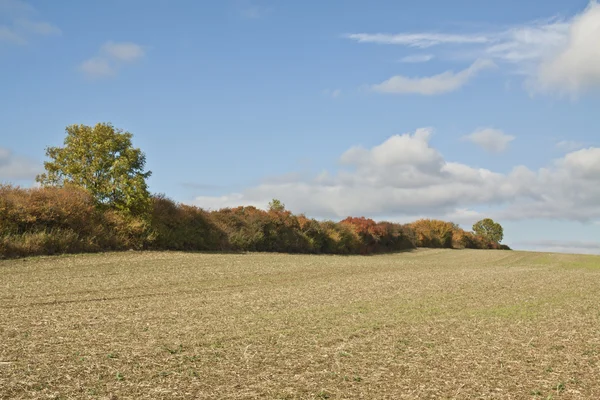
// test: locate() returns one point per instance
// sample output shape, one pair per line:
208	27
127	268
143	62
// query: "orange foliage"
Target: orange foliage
433	233
65	220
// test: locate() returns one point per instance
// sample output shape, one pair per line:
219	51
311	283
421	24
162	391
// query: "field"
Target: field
427	324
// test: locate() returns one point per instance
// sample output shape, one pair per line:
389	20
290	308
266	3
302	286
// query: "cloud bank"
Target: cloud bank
405	177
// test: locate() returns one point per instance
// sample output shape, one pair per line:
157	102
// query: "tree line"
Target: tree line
93	197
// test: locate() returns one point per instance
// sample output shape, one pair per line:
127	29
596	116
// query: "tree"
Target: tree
276	205
102	160
489	229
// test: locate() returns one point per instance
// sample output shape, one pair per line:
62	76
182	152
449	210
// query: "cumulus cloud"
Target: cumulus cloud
20	23
406	176
576	67
448	81
583	163
556	55
13	167
111	58
491	140
417	58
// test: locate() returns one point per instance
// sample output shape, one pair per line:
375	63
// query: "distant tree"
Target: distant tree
276	205
102	160
489	229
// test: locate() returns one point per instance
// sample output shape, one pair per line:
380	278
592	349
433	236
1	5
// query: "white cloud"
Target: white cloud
126	52
406	176
514	44
576	68
417	58
583	163
420	40
398	150
492	140
97	67
555	55
111	58
16	168
528	43
448	81
20	28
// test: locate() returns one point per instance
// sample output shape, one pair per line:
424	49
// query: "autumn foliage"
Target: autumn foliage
62	220
53	220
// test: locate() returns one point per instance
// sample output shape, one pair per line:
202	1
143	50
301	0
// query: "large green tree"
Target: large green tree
102	160
489	229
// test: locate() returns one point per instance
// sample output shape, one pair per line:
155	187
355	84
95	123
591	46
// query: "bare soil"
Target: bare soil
428	324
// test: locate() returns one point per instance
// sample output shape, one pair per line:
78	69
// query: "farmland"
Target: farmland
459	324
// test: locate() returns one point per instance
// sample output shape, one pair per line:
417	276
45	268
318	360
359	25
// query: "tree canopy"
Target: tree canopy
102	160
489	229
276	205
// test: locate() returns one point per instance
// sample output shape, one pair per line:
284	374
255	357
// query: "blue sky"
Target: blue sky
393	110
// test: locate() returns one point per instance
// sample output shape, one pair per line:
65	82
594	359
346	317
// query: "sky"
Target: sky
394	110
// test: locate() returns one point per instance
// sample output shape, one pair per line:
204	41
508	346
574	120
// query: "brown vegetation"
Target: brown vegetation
51	220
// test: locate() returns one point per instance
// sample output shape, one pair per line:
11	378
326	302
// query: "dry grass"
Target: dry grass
425	324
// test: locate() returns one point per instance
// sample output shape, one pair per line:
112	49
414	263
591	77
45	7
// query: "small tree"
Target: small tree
276	205
489	229
102	160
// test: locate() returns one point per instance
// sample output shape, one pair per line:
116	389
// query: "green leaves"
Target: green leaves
276	206
489	229
102	160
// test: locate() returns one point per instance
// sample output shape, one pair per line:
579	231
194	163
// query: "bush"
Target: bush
54	220
433	233
379	237
341	239
182	227
251	229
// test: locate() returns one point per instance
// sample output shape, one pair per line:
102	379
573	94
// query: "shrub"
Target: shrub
53	220
182	227
251	229
433	233
341	239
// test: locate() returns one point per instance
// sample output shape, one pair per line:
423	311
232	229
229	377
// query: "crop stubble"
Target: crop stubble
462	324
